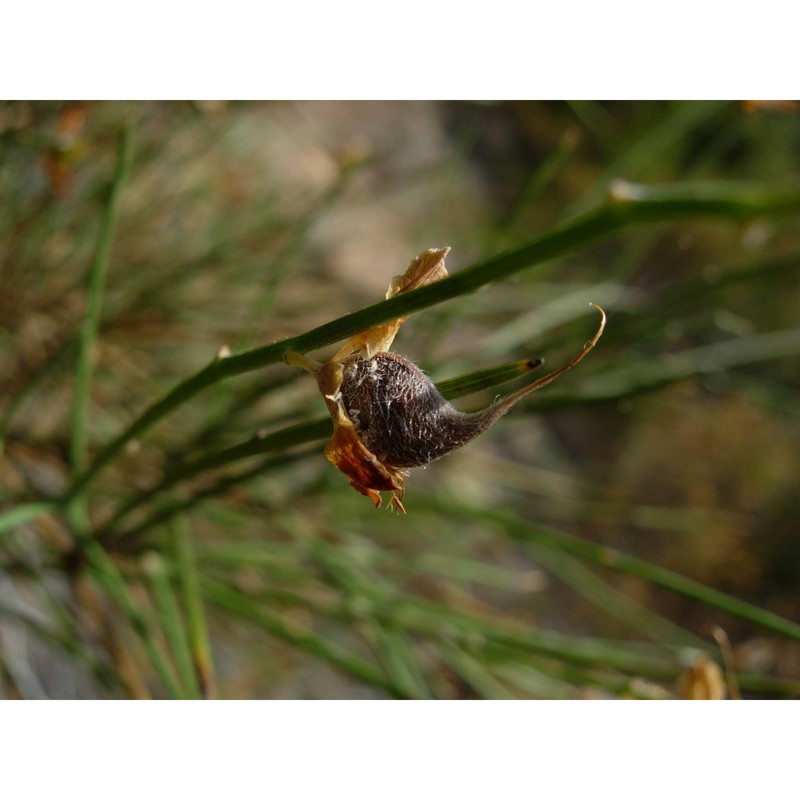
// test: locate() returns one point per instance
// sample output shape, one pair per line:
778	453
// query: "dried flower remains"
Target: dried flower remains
388	416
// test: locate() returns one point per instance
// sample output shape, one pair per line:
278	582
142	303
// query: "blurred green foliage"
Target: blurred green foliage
629	531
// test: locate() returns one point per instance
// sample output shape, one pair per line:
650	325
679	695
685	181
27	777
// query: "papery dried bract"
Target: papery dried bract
702	681
345	450
426	268
367	474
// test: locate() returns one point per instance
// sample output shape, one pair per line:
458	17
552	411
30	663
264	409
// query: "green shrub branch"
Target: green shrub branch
628	204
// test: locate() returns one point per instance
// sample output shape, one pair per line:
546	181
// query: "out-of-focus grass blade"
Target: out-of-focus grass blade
154	567
631	379
643	153
278	560
562	680
106	574
283	439
469	570
586	583
616	666
200	647
243	606
79	443
69	643
570	305
398	658
437	620
383	601
21	514
544	677
165	511
530	681
473	673
534	187
613	559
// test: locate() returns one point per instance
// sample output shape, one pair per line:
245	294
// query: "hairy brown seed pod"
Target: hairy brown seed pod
388	416
400	415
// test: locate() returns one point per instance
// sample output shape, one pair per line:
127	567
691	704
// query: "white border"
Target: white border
425	49
402	750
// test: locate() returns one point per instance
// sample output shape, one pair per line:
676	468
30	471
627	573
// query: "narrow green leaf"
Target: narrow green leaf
68	641
13	517
79	442
172	625
106	574
113	528
474	673
616	383
384	601
617	605
239	604
283	439
200	647
659	576
399	660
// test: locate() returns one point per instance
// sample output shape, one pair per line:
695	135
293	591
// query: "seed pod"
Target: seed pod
388	416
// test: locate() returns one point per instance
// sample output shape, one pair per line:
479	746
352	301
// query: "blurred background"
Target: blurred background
676	443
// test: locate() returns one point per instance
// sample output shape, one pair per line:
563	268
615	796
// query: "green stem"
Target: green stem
122	540
280	440
21	514
304	433
617	383
79	442
238	603
198	630
583	581
106	573
156	569
473	672
507	641
628	204
69	642
659	576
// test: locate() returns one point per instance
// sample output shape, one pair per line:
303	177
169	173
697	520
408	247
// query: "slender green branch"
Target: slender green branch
473	672
17	516
628	204
172	625
618	605
304	433
238	603
506	640
396	654
437	621
199	644
481	379
79	444
616	383
69	642
620	562
106	573
280	440
122	539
